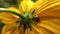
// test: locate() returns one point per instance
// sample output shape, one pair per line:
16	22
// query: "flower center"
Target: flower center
27	21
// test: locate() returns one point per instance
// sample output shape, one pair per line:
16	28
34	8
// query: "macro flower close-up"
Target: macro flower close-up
30	17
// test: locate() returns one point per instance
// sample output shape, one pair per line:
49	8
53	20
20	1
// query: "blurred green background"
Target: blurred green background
7	3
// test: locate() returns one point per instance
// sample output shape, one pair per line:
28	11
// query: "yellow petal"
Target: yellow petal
52	25
13	29
8	18
49	13
26	5
40	30
45	4
50	18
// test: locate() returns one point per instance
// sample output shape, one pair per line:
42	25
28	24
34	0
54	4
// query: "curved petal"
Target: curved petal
40	30
50	18
45	4
12	29
8	18
52	25
49	13
53	11
9	29
26	6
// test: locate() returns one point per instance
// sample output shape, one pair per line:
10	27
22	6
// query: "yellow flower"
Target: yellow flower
41	17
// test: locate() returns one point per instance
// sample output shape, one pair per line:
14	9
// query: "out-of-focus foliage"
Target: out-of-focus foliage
7	3
3	4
